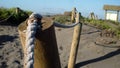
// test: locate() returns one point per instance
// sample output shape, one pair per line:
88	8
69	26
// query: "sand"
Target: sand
11	54
89	54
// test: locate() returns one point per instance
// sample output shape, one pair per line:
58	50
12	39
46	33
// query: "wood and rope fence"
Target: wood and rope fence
39	44
5	20
75	42
16	16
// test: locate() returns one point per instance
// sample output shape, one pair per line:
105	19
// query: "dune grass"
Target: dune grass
16	17
105	24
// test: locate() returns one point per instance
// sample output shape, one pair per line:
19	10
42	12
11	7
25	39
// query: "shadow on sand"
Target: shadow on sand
7	23
91	32
5	38
109	55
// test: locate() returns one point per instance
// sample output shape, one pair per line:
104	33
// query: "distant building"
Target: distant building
111	12
67	13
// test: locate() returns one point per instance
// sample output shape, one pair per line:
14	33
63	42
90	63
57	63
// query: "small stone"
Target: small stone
16	61
1	57
3	65
61	48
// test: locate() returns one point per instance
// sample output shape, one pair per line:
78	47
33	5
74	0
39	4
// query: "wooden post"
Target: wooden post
75	42
117	16
73	15
45	51
105	14
17	10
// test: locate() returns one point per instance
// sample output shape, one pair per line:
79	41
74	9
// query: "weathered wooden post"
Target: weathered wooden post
75	42
73	14
92	15
105	14
45	51
117	16
17	10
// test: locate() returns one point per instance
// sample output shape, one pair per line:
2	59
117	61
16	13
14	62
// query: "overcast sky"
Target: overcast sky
59	6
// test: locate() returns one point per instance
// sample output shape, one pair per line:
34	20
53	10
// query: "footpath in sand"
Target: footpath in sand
89	55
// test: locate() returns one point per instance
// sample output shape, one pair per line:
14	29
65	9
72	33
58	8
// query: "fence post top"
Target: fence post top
36	15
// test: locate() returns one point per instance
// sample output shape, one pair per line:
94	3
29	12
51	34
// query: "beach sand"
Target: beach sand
89	54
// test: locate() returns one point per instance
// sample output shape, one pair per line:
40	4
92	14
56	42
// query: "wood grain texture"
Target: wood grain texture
45	51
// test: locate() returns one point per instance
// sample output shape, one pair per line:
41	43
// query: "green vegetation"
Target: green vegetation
19	17
100	24
16	18
4	13
62	19
105	24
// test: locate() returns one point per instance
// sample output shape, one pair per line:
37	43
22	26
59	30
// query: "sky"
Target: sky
60	6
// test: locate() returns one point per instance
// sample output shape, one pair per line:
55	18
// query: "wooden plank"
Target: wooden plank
111	7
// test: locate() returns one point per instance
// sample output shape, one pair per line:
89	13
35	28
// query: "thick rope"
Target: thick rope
65	26
30	37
